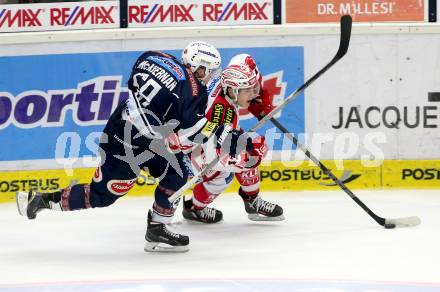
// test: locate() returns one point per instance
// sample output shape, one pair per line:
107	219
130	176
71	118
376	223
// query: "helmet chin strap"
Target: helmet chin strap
234	101
205	79
235	91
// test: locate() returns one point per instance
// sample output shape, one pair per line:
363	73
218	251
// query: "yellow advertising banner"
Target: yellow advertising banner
280	176
360	10
52	180
276	176
415	174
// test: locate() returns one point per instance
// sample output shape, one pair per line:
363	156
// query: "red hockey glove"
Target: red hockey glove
261	106
257	153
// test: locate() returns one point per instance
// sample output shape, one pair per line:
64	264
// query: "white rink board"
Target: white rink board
377	55
386	75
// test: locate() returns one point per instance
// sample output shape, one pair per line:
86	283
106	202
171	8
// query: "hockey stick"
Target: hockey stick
346	22
387	223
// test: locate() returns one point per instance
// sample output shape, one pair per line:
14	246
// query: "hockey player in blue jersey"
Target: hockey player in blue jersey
163	118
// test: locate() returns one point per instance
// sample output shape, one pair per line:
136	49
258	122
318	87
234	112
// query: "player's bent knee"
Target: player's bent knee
103	196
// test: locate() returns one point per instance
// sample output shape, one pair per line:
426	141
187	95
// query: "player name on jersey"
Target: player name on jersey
161	74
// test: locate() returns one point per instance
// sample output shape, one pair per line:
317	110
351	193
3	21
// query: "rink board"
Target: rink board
276	176
381	100
71	109
418	174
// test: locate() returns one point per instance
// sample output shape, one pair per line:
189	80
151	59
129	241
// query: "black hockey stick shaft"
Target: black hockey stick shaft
346	23
327	171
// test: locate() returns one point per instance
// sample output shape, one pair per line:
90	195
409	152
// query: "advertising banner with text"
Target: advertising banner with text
298	11
381	101
162	13
55	106
59	16
293	176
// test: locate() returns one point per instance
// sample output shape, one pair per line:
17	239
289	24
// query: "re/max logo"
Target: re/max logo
81	15
20	18
160	13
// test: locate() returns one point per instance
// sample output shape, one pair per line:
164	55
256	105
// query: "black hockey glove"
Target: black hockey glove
232	141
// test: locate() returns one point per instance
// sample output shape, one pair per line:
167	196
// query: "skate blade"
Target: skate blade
21	199
258	217
163	247
198	222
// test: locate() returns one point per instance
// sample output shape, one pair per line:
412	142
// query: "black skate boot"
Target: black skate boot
159	238
32	202
259	209
205	215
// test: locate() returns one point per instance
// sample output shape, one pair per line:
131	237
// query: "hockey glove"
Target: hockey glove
232	141
257	153
231	148
262	105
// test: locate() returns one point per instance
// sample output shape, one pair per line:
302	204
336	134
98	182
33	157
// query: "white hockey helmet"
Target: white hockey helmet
198	54
243	59
247	60
238	77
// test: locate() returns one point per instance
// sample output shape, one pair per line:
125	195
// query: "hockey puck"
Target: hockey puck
390	225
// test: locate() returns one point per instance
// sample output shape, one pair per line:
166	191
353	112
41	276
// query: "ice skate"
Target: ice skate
30	203
204	215
261	210
160	239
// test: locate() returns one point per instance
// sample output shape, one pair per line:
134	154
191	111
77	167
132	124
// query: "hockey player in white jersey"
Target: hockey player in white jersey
239	86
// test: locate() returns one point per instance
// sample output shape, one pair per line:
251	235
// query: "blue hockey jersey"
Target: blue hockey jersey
165	96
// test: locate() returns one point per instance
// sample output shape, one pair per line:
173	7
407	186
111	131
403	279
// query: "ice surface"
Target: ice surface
327	243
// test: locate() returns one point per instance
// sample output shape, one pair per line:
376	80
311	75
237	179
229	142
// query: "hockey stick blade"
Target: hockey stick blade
402	222
387	223
346	23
